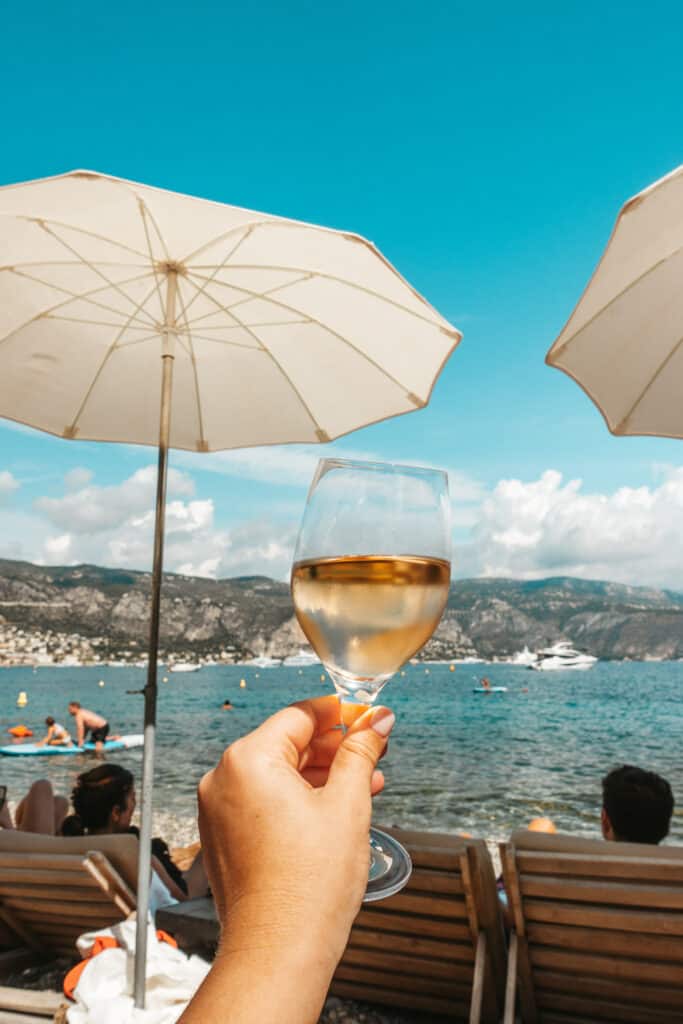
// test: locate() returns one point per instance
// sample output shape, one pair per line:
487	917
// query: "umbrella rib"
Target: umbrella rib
615	298
92	266
237	327
418	402
224	341
143	214
77	263
250	296
623	422
215	270
47	313
41	221
202	446
72	427
321	434
332	277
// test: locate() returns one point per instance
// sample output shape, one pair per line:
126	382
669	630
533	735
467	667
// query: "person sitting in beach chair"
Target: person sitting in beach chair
636	806
39	811
104	803
57	735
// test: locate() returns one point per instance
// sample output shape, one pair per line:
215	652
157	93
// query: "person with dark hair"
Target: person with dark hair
89	721
104	802
57	735
636	806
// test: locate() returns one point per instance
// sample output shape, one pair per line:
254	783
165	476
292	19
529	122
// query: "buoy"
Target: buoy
300	672
22	699
165	679
451	668
256	675
243	684
426	671
402	673
101	682
322	679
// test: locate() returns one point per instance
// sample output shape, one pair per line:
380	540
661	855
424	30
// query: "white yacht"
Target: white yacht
263	662
184	666
302	659
562	656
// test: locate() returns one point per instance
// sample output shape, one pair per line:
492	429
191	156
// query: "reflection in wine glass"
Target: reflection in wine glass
370	582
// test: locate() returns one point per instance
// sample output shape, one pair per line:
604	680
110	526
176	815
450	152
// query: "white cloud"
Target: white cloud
77	478
93	509
8	484
548	527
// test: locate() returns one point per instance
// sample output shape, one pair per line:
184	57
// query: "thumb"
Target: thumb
360	750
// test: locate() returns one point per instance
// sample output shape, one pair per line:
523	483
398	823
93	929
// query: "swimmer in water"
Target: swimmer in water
227	705
486	685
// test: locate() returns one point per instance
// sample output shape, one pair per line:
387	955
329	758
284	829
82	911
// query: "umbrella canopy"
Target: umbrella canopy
624	341
137	315
281	331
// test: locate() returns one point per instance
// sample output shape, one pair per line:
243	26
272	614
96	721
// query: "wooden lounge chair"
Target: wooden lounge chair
438	945
52	888
597	930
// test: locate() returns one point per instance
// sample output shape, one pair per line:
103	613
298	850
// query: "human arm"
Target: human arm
80	729
284	821
173	887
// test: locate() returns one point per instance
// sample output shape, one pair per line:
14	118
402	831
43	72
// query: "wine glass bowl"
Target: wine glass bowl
370	581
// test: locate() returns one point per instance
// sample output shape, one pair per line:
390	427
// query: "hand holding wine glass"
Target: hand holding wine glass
369	583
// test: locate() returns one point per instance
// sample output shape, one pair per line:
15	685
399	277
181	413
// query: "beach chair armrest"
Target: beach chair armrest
511	982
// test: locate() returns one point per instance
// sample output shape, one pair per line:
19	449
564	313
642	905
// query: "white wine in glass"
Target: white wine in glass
370	582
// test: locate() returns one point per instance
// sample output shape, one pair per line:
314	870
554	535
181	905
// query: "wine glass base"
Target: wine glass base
390	866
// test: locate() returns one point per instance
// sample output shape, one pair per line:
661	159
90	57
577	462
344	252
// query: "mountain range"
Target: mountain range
239	618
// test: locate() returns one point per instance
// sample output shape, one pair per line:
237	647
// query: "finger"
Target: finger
318	777
359	752
377	782
291	730
321	750
351	712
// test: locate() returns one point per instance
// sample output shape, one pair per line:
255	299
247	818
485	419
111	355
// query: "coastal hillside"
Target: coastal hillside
86	612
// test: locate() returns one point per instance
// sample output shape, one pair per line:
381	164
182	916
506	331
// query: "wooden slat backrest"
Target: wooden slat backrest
599	927
52	888
417	949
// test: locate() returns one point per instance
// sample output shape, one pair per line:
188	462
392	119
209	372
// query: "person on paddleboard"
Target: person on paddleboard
57	735
89	721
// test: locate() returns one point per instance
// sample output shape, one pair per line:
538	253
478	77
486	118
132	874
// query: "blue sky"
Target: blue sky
485	151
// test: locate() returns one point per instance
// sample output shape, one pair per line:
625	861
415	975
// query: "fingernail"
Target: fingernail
383	721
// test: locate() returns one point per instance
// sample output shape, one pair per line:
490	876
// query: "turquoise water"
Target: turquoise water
457	760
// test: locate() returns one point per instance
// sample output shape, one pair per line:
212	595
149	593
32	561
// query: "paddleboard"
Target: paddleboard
33	750
489	689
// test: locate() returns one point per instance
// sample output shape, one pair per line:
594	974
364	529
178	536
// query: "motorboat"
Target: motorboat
560	657
264	662
302	659
525	657
184	666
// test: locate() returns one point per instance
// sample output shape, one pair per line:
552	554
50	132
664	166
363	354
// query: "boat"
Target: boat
263	662
302	659
489	689
184	666
561	657
525	657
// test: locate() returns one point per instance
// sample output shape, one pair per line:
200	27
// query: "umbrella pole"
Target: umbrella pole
150	691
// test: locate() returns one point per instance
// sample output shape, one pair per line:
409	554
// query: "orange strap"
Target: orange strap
101	943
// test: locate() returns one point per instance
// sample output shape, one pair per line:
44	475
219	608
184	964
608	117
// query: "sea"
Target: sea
458	761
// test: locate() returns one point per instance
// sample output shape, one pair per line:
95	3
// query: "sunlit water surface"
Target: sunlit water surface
458	761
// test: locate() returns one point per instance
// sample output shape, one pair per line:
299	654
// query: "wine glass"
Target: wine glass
369	583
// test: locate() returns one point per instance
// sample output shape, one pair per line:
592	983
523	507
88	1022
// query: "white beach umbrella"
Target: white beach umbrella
137	315
623	344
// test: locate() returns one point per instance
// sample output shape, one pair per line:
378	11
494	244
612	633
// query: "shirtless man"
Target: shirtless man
89	721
